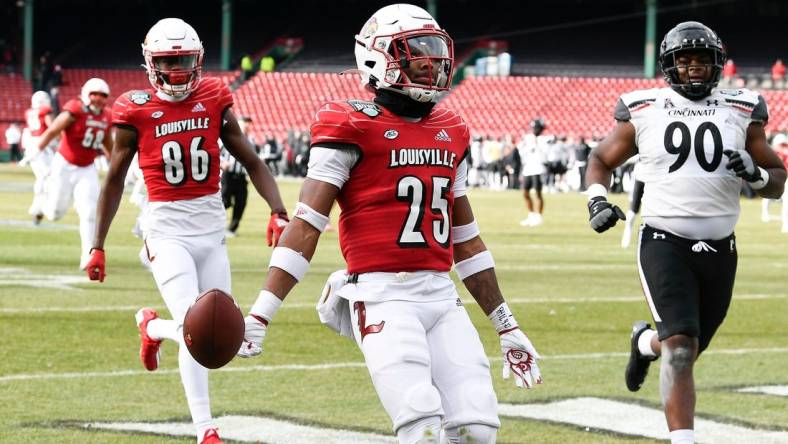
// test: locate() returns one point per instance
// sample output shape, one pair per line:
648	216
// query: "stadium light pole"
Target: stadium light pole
227	32
432	8
27	50
649	53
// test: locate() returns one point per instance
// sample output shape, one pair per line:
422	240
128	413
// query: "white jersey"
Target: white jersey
532	154
681	145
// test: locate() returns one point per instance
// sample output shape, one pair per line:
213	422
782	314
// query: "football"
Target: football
213	329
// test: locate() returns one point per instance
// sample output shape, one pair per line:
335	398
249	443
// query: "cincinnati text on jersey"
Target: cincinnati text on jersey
404	157
687	112
180	126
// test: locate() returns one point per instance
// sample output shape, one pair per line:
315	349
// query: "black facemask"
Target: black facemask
402	105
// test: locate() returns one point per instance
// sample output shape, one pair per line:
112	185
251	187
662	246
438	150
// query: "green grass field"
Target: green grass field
69	352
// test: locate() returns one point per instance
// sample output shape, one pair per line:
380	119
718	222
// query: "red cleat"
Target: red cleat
149	348
211	436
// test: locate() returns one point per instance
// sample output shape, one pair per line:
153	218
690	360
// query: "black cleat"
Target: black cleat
637	367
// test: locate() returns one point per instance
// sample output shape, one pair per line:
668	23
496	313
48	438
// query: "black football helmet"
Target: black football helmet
691	36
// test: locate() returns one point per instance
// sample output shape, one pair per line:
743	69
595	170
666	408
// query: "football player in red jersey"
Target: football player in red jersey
83	124
175	128
396	166
38	118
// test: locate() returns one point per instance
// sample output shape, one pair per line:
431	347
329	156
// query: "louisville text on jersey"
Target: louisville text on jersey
405	157
180	126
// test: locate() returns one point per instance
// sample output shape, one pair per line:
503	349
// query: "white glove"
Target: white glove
253	337
519	357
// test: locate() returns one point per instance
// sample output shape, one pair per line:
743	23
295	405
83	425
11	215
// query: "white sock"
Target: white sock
164	329
195	383
644	342
682	436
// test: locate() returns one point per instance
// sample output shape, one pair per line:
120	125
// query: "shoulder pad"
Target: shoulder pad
333	124
747	101
636	99
74	106
368	108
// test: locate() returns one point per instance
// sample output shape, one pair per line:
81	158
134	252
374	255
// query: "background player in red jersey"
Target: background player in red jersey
84	124
396	166
175	128
38	118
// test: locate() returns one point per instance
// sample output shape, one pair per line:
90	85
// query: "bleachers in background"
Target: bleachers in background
492	105
569	105
15	94
119	80
281	101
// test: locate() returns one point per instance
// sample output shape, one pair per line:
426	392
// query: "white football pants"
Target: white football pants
69	182
40	163
184	267
426	360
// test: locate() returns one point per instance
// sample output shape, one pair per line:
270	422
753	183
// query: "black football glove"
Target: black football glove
603	215
741	163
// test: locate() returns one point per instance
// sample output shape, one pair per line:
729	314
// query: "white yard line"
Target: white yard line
338	365
636	420
776	390
305	305
254	429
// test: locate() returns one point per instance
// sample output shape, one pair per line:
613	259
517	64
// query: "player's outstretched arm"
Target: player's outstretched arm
758	164
611	153
109	200
238	145
61	122
289	260
475	266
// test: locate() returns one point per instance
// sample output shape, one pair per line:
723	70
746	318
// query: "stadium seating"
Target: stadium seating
119	80
15	98
281	101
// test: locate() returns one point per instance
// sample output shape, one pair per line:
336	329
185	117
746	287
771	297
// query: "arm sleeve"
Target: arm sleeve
761	112
621	113
460	178
331	165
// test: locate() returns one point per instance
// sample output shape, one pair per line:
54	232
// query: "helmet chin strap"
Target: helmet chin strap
402	103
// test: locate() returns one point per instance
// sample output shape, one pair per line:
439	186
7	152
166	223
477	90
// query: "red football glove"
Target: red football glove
95	267
276	225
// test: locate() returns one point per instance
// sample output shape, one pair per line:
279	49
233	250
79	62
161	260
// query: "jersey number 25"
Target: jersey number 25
411	189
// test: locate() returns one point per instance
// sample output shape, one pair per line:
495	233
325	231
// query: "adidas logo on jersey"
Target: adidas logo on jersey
443	136
198	108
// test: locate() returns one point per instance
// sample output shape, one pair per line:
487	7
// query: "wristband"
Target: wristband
311	216
762	181
503	319
462	233
596	190
290	261
474	264
266	306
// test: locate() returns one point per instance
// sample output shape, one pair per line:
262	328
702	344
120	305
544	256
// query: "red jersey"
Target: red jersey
83	139
397	204
36	120
177	141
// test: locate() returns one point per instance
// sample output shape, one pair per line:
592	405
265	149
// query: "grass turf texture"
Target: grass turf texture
537	268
